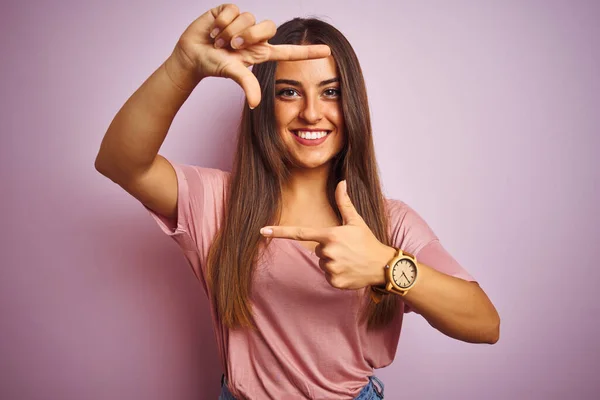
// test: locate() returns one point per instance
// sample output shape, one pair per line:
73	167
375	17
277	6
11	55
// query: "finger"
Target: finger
224	15
239	24
260	32
334	281
323	266
319	251
202	24
291	52
328	278
349	213
297	233
246	79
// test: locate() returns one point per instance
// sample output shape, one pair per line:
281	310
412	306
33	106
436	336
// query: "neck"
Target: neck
305	201
306	188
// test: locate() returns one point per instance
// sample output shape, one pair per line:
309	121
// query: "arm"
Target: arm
129	151
458	308
128	154
135	135
353	258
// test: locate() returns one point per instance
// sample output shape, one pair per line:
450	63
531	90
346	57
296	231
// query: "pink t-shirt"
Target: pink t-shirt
308	343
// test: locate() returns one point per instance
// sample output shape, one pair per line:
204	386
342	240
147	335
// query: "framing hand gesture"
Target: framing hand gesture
224	42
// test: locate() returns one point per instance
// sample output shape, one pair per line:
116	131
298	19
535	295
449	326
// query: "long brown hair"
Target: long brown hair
261	166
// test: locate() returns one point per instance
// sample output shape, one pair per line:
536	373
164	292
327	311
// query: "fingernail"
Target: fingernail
345	187
266	231
214	33
237	42
219	43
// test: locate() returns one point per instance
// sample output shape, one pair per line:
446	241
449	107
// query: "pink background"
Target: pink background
486	120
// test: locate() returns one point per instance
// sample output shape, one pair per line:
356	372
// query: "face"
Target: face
404	273
308	111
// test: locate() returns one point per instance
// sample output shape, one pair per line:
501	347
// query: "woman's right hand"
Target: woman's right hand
224	42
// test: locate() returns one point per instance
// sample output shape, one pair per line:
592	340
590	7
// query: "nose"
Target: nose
312	111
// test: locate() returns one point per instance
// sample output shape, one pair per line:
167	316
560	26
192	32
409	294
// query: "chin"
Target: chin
311	164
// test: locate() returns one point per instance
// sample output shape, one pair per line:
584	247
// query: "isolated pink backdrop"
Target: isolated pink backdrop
486	119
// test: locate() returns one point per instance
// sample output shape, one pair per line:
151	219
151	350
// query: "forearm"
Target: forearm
137	132
456	307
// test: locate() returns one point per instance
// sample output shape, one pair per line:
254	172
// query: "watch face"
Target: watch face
404	273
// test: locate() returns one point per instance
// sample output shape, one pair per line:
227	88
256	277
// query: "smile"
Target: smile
310	138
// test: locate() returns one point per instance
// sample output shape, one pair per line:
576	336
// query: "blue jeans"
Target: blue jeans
369	392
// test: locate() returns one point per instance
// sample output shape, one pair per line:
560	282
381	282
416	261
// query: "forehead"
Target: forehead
307	71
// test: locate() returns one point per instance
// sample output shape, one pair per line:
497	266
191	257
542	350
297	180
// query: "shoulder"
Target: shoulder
407	227
394	206
399	211
195	172
197	178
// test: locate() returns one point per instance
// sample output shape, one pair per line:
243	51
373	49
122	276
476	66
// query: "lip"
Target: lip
310	142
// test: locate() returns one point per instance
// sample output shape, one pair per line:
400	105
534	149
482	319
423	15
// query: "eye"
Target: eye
287	92
332	92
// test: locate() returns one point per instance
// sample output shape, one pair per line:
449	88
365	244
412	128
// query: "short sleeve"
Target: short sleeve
410	232
200	202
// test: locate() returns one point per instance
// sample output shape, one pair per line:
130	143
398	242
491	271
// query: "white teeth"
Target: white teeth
312	135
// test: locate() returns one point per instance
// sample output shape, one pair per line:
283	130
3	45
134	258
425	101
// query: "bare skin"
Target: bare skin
304	102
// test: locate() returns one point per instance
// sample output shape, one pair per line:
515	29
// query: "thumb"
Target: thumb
349	213
246	79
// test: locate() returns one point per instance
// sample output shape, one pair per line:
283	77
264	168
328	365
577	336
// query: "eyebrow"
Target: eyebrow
296	83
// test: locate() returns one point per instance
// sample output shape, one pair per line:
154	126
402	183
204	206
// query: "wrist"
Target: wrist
181	73
386	254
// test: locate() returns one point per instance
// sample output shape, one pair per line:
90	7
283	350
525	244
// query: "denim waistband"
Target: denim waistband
371	391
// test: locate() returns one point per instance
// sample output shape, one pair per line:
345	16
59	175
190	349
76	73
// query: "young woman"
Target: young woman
308	268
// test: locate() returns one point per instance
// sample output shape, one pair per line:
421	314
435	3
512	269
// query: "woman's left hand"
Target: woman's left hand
350	255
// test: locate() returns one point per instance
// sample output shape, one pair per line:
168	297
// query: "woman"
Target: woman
307	266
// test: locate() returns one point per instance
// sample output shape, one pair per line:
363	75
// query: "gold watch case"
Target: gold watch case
401	273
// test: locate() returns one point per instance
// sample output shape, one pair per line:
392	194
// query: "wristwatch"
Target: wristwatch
400	275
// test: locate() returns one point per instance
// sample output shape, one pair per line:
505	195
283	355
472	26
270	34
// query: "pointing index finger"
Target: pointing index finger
292	52
296	233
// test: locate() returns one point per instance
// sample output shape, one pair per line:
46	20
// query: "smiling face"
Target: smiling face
308	111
